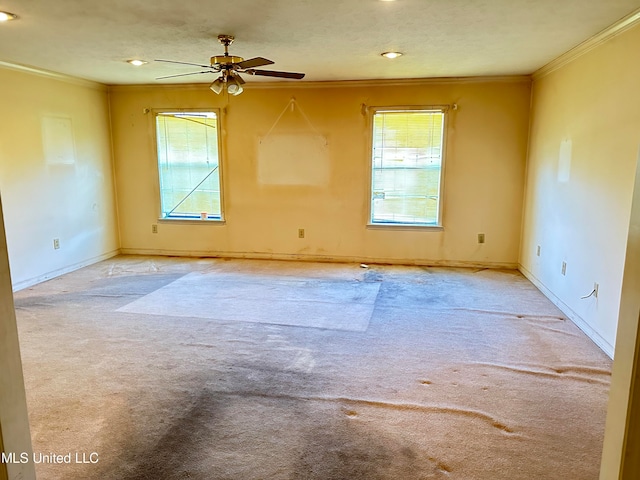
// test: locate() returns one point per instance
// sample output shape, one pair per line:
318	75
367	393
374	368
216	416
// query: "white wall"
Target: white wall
60	187
577	206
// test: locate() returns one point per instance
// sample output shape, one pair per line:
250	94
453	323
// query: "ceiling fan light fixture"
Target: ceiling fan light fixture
234	87
217	86
136	63
6	16
391	54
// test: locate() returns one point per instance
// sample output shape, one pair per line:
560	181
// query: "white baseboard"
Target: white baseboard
321	258
61	271
605	346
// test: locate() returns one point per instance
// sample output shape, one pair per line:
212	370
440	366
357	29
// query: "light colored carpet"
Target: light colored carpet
462	374
294	301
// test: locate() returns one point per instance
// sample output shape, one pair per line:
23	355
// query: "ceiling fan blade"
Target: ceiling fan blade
184	63
254	62
184	74
272	73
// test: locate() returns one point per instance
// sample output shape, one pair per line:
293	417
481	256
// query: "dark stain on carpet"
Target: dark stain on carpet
119	289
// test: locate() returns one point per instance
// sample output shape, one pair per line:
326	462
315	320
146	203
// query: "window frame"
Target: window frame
372	111
221	156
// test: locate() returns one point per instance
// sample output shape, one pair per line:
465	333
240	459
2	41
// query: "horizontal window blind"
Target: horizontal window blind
406	167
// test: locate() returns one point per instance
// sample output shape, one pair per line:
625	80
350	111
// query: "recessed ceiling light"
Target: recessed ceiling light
391	54
136	63
6	16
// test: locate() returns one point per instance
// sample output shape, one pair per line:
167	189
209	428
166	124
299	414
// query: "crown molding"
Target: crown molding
398	82
53	75
407	82
617	28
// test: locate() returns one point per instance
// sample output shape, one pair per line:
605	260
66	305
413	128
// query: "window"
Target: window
189	165
406	173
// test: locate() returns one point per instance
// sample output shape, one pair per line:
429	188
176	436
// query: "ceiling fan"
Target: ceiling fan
230	68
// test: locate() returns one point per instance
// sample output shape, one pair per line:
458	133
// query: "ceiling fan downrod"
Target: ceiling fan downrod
226	40
225	61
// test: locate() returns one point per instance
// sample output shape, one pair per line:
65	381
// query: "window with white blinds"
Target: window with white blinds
189	165
406	173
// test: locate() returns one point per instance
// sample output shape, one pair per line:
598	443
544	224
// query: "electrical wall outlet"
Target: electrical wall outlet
595	290
564	268
301	233
538	251
154	228
481	238
56	243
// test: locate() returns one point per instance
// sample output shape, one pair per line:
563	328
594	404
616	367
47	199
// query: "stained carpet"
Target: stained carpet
430	373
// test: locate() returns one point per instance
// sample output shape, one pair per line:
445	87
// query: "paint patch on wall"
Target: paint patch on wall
57	140
564	161
293	159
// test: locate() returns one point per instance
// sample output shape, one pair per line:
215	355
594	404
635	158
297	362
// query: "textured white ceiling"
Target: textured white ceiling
326	39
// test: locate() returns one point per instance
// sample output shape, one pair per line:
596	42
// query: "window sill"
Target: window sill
404	226
192	221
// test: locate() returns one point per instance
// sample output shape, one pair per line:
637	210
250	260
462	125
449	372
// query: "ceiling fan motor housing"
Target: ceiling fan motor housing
225	60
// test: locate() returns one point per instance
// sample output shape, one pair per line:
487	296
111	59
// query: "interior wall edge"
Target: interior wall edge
595	337
3	468
14	413
525	187
114	177
322	258
617	28
61	271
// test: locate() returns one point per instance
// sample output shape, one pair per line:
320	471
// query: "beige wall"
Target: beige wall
582	217
483	185
43	200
